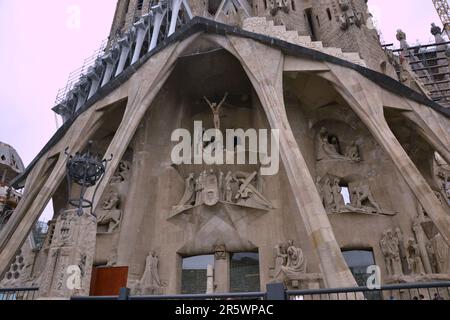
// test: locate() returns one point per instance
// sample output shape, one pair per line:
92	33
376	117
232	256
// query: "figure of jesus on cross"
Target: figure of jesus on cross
216	110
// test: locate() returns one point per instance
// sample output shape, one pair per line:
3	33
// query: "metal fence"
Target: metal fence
18	294
418	291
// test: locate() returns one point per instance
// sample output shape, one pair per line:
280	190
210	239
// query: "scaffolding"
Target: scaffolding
443	10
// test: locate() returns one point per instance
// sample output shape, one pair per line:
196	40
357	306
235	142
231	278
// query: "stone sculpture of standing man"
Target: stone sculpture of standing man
216	110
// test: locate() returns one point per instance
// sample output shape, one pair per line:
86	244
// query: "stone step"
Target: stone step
268	27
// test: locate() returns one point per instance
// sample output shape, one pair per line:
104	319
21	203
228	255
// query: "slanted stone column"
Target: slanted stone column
68	269
264	66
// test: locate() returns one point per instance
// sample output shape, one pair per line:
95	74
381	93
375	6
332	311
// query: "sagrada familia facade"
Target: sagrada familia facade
363	139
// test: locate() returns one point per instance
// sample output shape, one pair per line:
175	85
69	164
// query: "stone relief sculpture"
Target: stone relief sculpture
110	215
349	16
442	254
328	148
122	173
210	188
443	180
414	257
278	5
150	282
362	198
290	263
220	251
338	198
389	245
189	192
215	108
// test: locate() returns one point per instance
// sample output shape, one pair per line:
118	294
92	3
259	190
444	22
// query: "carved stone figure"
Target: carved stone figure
199	187
228	187
216	110
328	194
432	256
353	152
349	16
188	196
362	198
248	194
328	147
220	252
435	30
390	248
110	214
150	282
401	36
278	5
442	253
414	259
338	198
112	201
290	263
211	191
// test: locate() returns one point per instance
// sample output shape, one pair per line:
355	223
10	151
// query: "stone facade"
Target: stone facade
338	131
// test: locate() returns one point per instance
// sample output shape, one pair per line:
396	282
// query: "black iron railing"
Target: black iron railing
18	294
417	291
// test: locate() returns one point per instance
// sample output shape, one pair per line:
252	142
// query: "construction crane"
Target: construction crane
443	10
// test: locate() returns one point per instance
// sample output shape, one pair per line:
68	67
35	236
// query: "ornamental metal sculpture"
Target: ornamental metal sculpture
85	170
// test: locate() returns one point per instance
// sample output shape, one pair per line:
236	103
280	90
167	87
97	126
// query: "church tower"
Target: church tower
221	146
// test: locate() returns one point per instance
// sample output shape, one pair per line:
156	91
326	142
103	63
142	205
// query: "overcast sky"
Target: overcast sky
40	44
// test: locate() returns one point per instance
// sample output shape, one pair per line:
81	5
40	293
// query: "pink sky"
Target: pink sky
38	50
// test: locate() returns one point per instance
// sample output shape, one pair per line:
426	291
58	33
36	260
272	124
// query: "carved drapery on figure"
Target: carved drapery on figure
290	263
389	244
414	257
122	173
150	282
210	188
110	214
215	108
279	5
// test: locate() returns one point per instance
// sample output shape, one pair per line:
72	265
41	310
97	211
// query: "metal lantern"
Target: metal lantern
85	170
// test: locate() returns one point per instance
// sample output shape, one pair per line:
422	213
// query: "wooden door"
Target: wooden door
107	281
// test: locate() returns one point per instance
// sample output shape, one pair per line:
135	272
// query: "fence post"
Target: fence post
124	294
276	292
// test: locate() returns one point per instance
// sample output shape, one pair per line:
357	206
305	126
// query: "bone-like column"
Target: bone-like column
110	60
141	29
364	97
176	6
264	66
40	191
125	47
159	14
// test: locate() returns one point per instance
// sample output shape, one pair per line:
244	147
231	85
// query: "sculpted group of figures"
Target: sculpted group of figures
210	188
290	263
411	257
361	197
329	148
150	283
